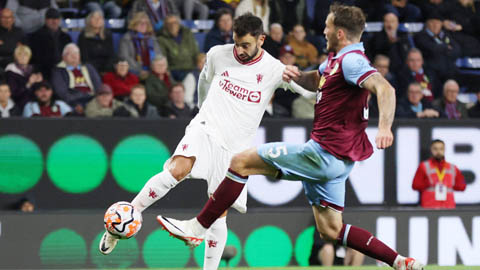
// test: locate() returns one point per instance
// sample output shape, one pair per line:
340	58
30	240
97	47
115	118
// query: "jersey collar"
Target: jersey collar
349	48
251	62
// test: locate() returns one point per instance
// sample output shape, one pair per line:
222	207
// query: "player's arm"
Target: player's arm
294	87
205	79
308	80
378	85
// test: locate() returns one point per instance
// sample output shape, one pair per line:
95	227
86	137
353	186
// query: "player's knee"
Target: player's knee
238	164
179	168
330	232
178	173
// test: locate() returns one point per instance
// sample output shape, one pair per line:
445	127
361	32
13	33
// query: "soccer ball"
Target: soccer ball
122	220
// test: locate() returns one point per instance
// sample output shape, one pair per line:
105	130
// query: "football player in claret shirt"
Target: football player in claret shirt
234	88
436	179
337	141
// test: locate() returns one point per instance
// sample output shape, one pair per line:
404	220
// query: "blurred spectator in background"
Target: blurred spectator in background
436	179
217	4
282	97
413	106
156	10
416	71
259	8
438	47
120	80
158	83
303	107
30	14
305	52
288	13
275	110
406	12
475	110
274	40
222	32
103	105
10	37
3	3
191	7
201	59
322	9
176	106
181	49
136	105
449	105
21	76
45	104
382	64
47	43
139	45
328	254
26	205
7	105
463	20
96	43
390	42
373	9
111	9
443	6
73	81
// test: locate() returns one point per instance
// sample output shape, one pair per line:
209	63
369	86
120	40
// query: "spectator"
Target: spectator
303	107
21	76
139	45
158	83
405	11
413	106
474	111
390	42
103	105
136	105
328	254
191	7
30	15
282	97
415	71
176	106
156	10
275	40
181	49
45	104
438	47
382	64
442	6
321	11
26	205
463	21
96	43
258	8
436	179
121	80
305	52
7	105
222	32
288	13
73	81
47	43
10	37
111	8
275	110
448	105
201	59
218	4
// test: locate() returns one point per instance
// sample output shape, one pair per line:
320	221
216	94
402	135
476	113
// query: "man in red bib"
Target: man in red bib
436	179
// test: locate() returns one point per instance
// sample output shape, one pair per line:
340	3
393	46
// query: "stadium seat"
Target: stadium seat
115	23
411	27
73	23
373	26
116	40
74	34
200	37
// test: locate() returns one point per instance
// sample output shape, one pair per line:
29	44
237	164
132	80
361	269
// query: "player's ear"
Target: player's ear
261	39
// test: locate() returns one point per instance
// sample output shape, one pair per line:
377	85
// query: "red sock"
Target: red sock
363	241
225	195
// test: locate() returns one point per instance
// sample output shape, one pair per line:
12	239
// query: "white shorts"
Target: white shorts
211	160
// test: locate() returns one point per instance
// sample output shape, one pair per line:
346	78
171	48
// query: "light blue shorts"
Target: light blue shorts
323	175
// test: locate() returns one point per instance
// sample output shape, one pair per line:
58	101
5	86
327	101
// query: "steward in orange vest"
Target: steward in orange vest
436	179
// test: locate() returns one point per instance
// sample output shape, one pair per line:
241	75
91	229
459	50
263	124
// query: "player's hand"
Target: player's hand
384	138
290	73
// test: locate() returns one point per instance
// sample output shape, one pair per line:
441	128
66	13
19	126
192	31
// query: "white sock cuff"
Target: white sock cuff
220	222
167	179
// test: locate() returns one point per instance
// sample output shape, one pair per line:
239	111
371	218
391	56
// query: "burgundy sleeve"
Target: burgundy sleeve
460	184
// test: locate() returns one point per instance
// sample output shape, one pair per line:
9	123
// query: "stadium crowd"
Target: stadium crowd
152	69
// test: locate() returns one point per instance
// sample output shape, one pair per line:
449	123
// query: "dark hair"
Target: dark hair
175	85
248	24
220	12
350	18
437	141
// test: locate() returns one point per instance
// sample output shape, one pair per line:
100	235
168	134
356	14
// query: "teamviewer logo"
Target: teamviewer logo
255	96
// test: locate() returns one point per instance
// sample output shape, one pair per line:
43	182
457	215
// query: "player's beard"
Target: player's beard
332	43
249	57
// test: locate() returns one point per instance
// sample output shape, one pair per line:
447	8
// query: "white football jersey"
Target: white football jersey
238	95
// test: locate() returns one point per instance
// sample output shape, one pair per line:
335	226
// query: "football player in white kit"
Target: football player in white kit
234	88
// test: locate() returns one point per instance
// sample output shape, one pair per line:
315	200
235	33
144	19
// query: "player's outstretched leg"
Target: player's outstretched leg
155	189
331	228
215	240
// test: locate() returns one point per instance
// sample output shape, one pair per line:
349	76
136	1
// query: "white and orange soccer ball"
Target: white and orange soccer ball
122	220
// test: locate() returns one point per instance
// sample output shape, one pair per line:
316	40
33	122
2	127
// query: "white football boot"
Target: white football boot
188	231
107	243
408	264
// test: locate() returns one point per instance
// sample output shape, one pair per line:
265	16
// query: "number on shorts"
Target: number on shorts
279	150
